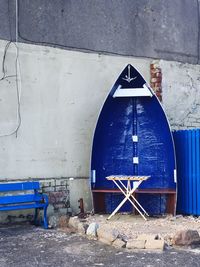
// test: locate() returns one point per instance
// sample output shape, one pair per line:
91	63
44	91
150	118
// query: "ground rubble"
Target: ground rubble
29	246
131	232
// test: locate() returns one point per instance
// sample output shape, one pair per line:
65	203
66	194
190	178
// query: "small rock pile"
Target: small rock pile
109	234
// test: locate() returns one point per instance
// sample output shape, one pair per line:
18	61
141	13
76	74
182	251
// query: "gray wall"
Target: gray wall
61	94
181	94
146	28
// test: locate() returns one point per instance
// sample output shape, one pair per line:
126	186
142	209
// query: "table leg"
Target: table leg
127	197
135	199
119	206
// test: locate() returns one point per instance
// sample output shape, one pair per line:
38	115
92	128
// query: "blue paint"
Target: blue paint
155	148
156	203
25	201
187	145
113	149
189	169
5	200
197	171
19	186
181	184
112	200
194	186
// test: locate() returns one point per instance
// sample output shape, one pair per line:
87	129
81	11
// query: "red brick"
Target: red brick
152	84
158	74
152	66
158	94
158	70
153	75
156	80
157	89
158	84
153	71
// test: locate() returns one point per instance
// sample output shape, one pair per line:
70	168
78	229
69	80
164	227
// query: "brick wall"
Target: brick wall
58	192
156	79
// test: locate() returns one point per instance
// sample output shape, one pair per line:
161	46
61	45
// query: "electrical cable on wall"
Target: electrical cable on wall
17	74
3	62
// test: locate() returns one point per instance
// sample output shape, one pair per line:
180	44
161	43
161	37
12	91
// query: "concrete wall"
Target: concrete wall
144	28
61	95
181	94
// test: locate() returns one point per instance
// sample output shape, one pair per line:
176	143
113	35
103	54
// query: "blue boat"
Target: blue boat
133	137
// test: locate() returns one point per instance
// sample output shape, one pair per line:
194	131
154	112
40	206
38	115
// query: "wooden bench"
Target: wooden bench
26	200
99	197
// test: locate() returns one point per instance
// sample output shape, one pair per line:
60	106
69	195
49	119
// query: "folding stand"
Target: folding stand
128	191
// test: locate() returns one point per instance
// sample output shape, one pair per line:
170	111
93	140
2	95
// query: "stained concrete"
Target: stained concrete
79	188
158	29
25	245
61	94
181	94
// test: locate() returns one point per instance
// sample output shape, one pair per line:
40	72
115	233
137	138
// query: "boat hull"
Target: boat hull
133	137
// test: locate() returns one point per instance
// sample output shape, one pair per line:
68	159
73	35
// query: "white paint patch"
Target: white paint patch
132	92
135	160
135	138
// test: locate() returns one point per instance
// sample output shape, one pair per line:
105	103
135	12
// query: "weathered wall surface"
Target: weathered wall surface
181	94
146	28
61	95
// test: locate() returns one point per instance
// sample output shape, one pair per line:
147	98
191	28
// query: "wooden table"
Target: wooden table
131	184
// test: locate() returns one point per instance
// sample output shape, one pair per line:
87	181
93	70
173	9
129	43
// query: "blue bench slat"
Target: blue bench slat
22	207
19	186
20	199
25	201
